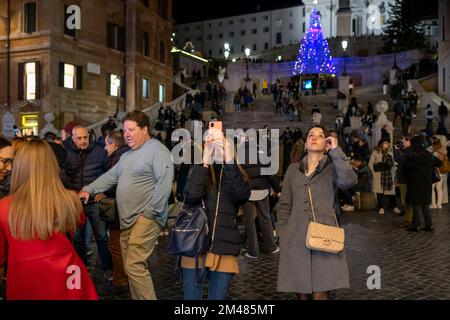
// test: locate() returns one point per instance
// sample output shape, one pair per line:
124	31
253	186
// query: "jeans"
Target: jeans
218	284
261	210
101	236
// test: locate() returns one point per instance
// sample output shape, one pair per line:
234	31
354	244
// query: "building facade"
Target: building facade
277	28
258	31
118	57
444	49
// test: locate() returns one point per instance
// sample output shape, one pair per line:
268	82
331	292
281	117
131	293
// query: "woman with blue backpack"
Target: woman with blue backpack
219	187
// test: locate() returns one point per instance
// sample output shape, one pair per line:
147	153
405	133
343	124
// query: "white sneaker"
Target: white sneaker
250	256
348	207
381	211
397	210
276	250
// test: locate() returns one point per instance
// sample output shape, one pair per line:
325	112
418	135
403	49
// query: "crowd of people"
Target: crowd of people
123	189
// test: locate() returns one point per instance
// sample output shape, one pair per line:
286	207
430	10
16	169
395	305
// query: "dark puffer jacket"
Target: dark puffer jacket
84	166
235	192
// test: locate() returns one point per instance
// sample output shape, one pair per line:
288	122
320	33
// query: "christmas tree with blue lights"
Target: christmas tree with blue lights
314	54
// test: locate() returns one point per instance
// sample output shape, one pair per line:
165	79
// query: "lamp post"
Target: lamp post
394	41
247	54
227	54
344	47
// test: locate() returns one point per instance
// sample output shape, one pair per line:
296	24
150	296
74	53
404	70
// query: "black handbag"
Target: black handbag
108	209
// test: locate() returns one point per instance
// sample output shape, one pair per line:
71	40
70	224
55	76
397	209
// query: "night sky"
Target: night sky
197	10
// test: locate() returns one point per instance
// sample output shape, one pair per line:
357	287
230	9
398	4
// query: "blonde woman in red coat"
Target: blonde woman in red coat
34	222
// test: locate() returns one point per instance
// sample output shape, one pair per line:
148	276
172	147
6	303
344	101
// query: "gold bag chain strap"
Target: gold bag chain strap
217	208
312	207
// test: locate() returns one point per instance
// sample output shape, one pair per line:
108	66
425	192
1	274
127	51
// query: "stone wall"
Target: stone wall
366	71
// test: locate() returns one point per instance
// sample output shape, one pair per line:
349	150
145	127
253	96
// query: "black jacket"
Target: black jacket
259	182
84	166
60	153
400	156
419	165
235	192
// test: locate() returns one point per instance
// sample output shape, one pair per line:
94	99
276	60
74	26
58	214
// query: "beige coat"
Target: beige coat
376	176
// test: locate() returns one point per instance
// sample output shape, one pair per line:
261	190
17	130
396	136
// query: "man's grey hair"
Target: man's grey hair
79	127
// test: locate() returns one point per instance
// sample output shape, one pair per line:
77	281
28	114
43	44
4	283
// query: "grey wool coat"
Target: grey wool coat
300	269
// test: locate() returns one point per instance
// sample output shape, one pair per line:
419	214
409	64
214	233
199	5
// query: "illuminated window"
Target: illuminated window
69	76
114	85
145	88
162	92
30	80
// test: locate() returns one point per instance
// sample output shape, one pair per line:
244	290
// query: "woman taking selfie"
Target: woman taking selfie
34	222
308	194
223	190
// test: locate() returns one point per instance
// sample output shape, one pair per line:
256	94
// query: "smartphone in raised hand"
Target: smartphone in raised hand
216	125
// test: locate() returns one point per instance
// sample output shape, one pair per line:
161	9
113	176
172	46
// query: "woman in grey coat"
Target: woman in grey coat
323	169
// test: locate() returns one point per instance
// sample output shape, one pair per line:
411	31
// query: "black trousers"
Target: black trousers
425	210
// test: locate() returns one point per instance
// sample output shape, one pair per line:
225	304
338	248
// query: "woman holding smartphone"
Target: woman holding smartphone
310	273
220	183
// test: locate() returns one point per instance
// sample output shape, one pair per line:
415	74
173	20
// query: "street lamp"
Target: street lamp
247	54
227	46
394	41
344	46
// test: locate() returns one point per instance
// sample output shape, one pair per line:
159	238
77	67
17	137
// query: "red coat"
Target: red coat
42	270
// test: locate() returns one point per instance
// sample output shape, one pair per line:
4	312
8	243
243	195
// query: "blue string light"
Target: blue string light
314	54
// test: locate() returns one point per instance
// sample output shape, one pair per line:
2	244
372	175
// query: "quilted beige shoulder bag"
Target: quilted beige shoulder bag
322	237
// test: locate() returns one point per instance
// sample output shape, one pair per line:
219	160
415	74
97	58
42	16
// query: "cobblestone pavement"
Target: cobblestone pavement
413	265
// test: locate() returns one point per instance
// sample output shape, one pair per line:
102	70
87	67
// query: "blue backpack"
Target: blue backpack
190	235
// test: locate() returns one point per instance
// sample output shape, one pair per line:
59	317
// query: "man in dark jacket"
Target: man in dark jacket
85	162
419	166
401	153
